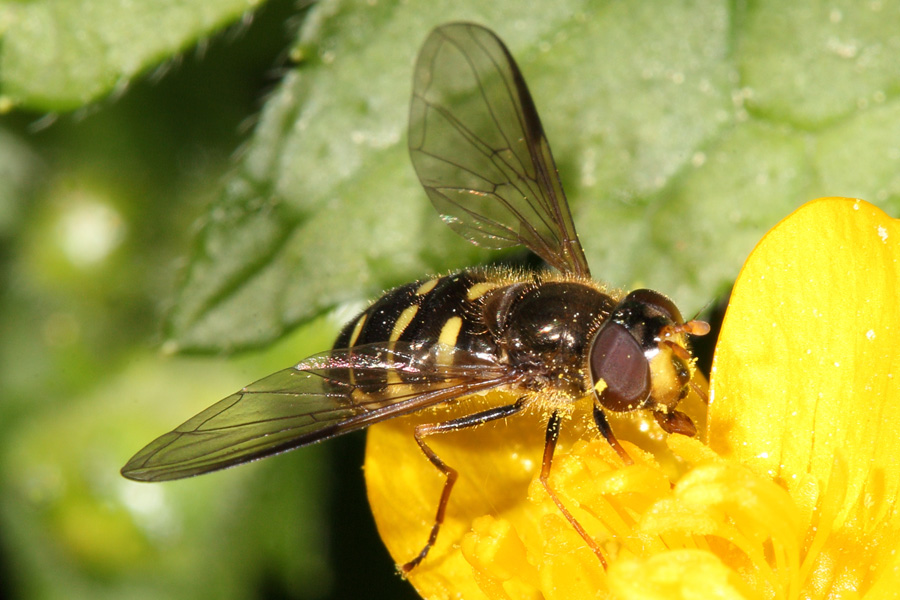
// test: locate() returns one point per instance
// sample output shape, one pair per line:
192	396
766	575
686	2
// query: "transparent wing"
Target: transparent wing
323	396
480	152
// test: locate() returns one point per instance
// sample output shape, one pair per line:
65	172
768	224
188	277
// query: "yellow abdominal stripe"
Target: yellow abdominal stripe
480	289
357	329
403	322
400	325
447	339
426	287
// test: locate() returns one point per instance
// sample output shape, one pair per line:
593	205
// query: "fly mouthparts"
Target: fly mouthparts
692	327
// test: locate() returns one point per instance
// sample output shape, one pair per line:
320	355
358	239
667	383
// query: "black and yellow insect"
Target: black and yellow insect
550	338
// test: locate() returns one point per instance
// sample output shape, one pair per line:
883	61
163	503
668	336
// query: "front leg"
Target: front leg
603	425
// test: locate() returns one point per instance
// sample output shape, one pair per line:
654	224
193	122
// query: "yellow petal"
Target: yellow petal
805	379
503	537
676	574
496	463
802	397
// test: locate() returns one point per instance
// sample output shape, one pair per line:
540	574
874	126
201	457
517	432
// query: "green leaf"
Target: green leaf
59	55
810	63
682	131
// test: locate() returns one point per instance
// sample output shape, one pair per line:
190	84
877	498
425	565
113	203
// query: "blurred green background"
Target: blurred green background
99	207
196	193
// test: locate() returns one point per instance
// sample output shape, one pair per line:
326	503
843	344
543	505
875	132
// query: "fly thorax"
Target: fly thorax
547	331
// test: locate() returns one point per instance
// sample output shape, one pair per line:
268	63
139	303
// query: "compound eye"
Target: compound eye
657	303
617	359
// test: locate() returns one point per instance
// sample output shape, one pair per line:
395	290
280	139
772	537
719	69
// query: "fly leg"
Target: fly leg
553	427
421	432
603	425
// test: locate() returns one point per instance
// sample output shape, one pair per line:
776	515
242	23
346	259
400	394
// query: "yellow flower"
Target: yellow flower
793	495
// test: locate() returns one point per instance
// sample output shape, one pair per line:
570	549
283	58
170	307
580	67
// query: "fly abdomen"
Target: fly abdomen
444	310
377	323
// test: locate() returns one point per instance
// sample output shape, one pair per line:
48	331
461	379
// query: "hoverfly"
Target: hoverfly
548	338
